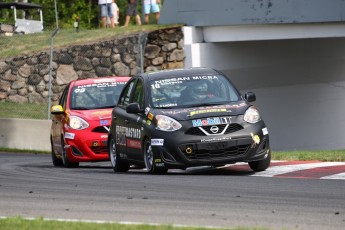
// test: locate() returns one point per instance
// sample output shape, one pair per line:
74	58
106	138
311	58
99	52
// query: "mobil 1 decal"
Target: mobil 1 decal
211	121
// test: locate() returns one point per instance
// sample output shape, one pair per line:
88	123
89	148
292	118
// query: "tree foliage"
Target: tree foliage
86	10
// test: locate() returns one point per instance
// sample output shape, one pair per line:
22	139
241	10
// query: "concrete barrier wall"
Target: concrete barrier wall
25	134
299	84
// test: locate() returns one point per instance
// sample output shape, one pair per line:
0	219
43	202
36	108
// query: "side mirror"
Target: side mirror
134	108
56	110
250	97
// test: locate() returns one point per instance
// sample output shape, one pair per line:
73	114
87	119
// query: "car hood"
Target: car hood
181	114
93	115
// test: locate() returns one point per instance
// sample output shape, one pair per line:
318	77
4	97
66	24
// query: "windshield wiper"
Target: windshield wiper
204	104
80	108
165	107
105	107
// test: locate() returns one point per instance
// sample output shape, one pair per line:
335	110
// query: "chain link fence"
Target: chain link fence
30	83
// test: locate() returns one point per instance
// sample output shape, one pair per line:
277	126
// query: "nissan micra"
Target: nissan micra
175	119
81	120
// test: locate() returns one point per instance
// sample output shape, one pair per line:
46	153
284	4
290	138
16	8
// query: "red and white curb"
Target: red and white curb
298	169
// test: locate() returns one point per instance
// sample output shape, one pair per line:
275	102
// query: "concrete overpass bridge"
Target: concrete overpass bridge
291	53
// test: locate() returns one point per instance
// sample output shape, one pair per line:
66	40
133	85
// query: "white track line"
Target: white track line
277	170
339	176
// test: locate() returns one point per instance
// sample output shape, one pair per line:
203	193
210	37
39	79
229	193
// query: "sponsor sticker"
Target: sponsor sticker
264	131
136	144
69	135
150	116
211	121
207	111
147	110
216	139
256	140
103	122
157	142
101	113
104	80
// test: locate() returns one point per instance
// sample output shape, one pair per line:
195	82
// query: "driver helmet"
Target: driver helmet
200	90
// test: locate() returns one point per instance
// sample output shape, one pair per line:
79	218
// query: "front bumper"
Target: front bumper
87	147
182	151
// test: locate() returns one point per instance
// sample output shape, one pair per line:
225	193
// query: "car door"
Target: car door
58	122
120	118
134	123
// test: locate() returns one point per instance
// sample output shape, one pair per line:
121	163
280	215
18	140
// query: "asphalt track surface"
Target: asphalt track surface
223	197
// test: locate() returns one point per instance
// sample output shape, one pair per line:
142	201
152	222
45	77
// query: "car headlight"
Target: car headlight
252	115
167	124
77	123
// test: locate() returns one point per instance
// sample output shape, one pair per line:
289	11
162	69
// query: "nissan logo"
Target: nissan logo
214	129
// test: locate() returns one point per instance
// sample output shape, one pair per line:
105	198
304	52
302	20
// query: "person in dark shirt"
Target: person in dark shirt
132	11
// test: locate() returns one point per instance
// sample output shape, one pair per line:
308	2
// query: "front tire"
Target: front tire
116	163
261	165
57	162
149	160
66	162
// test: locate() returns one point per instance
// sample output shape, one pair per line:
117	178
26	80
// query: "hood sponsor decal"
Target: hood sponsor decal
101	113
195	110
211	121
207	111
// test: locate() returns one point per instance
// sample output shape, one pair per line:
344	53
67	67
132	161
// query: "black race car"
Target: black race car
175	119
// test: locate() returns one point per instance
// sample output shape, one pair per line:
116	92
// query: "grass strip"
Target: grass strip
26	44
41	224
320	155
24	111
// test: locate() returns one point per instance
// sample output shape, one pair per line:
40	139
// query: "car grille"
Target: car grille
99	149
101	129
235	151
198	132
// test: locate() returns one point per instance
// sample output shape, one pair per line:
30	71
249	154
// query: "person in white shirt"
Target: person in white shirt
106	12
116	13
151	6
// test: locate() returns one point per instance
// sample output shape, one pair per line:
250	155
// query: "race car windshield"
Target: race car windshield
95	96
191	91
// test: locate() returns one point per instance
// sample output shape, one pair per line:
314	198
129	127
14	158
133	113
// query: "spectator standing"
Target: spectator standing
132	11
106	12
151	6
116	12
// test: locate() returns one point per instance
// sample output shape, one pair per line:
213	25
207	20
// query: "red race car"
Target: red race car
81	120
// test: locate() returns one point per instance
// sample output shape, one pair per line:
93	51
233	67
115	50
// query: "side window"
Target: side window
63	98
125	97
139	93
